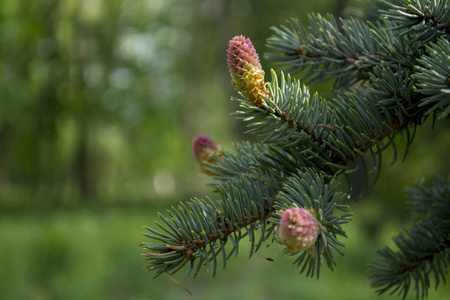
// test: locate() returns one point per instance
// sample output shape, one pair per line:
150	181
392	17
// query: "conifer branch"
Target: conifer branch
425	20
321	195
423	250
331	124
197	231
344	53
396	73
434	78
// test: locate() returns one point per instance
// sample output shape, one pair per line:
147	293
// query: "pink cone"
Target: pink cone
298	229
205	152
245	69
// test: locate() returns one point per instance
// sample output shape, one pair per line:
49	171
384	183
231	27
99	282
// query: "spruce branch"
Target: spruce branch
256	158
287	104
434	78
344	53
423	250
430	198
197	231
347	52
425	19
319	194
337	131
287	185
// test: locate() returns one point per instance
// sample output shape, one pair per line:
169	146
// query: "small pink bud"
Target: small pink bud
201	144
204	151
298	229
245	69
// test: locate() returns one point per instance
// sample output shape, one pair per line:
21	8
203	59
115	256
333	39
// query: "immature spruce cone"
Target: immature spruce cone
246	71
204	151
298	229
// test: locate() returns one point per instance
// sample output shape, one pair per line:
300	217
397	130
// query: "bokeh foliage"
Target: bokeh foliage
102	94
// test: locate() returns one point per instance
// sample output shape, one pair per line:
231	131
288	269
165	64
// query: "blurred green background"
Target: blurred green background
100	102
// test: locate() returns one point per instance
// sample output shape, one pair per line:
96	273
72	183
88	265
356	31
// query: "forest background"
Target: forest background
100	101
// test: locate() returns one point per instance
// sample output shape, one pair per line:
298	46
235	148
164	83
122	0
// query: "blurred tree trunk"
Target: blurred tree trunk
83	166
340	6
45	157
